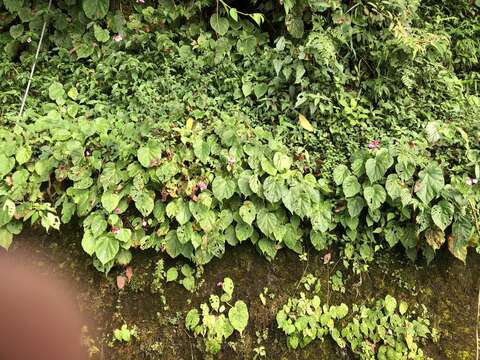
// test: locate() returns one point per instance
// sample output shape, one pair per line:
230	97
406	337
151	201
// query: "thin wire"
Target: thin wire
24	100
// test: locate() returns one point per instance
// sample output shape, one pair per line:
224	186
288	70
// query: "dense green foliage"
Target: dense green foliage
187	127
386	330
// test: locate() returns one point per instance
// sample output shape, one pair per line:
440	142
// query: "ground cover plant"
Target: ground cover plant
195	126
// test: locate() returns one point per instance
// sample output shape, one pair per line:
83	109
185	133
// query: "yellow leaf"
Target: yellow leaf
189	124
305	123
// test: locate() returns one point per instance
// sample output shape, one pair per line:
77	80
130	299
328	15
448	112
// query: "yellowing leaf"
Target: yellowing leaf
305	123
189	124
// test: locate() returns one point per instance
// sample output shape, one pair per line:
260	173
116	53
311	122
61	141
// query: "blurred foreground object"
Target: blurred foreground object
38	319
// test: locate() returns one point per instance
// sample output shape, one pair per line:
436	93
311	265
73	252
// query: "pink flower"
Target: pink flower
220	284
115	230
144	223
471	181
374	144
202	186
117	38
231	161
117	210
140	1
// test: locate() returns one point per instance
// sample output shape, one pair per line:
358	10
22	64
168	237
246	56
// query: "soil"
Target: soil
447	288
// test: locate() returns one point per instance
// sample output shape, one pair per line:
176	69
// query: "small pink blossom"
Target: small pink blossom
117	210
374	144
140	1
117	38
471	181
231	161
220	284
202	186
115	230
144	223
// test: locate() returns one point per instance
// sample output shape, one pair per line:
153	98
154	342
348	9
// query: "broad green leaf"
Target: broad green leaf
98	225
150	155
144	202
341	311
183	213
393	186
243	183
56	92
88	243
201	149
16	31
13	6
282	162
260	90
6	238
222	188
233	13
192	319
258	18
274	188
6	165
340	173
355	206
73	93
84	50
351	186
243	231
248	212
247	88
188	283
375	196
228	286
124	235
219	24
255	184
390	304
377	167
106	248
225	219
6	215
430	184
110	201
172	245
319	240
321	217
238	316
102	35
267	222
442	214
95	9
172	274
268	167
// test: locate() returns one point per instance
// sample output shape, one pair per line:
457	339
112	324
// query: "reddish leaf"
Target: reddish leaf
129	273
120	282
326	258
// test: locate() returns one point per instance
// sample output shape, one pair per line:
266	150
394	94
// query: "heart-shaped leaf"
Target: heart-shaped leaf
219	24
238	316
